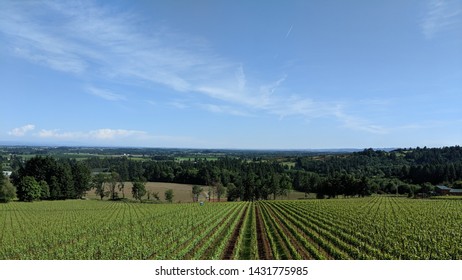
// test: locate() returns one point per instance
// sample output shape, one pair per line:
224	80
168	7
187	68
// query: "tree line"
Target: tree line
47	178
402	171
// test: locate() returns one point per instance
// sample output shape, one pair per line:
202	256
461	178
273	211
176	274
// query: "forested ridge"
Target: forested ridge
404	171
417	166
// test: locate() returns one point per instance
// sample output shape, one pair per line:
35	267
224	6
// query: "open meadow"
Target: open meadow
377	228
182	192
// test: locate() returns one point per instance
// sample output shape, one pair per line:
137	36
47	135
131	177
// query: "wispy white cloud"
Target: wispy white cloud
151	102
290	30
428	125
105	94
360	124
30	38
376	103
268	90
223	109
99	134
267	98
179	104
240	76
21	131
107	133
88	40
85	38
260	97
441	15
60	62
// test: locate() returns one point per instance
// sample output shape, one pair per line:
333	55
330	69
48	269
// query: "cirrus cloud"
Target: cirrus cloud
92	41
105	94
441	15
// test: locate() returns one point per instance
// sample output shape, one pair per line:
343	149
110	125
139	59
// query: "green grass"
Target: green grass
447	197
289	164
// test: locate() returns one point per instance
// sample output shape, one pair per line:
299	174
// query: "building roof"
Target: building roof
443	188
456	191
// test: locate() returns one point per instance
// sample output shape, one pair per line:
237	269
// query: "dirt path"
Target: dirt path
264	247
230	247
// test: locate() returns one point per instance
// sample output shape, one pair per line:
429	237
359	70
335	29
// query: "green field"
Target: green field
366	228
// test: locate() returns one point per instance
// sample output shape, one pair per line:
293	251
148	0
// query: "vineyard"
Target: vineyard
367	228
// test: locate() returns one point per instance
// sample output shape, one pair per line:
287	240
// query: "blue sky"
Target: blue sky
232	74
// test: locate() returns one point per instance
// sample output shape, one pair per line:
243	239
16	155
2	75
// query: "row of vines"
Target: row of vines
112	230
373	228
366	228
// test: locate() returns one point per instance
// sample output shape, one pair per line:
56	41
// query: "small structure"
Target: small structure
455	192
442	190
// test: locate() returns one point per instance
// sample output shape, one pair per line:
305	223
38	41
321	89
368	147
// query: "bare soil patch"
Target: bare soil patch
181	192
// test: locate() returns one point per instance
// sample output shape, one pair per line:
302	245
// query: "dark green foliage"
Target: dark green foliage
328	174
114	178
121	186
44	190
138	190
426	188
232	192
81	176
216	174
457	184
414	165
7	190
196	191
254	175
64	178
169	195
220	190
98	183
28	189
394	172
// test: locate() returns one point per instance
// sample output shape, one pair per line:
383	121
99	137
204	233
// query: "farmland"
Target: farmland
182	192
378	227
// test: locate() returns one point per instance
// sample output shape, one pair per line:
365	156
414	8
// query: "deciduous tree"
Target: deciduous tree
98	183
7	190
169	195
138	190
44	190
196	191
220	190
28	189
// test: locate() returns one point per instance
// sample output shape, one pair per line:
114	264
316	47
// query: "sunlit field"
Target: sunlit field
366	228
